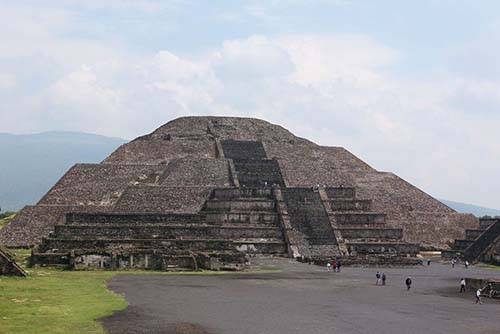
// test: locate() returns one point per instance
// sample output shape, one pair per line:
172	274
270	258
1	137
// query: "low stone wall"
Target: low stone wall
372	233
359	218
351	205
122	231
383	248
155	199
76	218
490	287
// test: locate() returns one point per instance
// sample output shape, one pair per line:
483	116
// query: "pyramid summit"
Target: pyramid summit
226	186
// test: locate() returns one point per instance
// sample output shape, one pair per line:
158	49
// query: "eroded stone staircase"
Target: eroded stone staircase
364	232
233	223
479	244
259	215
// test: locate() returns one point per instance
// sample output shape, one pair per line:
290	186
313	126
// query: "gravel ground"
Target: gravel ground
305	299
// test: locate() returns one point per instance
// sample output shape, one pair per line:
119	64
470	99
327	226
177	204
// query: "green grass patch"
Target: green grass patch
488	266
55	301
52	301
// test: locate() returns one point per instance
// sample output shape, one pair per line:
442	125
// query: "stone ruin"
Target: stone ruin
8	265
207	192
480	244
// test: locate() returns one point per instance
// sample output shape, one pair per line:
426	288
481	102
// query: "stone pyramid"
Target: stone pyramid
184	188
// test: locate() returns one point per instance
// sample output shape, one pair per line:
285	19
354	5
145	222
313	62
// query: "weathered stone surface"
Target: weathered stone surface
174	168
145	198
480	244
8	265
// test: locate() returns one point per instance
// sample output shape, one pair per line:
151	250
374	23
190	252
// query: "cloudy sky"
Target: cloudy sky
411	87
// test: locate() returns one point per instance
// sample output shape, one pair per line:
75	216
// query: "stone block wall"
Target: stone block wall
96	184
197	172
155	199
159	150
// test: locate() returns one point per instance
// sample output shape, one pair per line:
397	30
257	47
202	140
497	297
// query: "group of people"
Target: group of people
333	266
381	278
455	261
478	293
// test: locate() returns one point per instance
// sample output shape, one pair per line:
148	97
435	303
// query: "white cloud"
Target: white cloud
337	89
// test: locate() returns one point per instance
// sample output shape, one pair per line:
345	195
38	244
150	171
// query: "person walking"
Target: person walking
466	264
428	262
377	275
478	296
338	266
453	263
462	285
383	278
334	265
328	266
408	283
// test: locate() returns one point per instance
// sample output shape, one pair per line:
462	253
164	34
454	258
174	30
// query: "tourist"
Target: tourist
383	278
478	296
338	266
378	278
408	283
334	265
328	266
466	264
453	261
462	285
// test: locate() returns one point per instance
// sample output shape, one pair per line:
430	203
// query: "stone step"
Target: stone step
115	218
485	243
371	233
350	205
167	231
371	260
239	149
473	234
257	246
340	192
462	244
240	193
383	248
485	223
236	217
246	204
354	218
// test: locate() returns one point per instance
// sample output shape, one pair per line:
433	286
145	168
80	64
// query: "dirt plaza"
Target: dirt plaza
301	298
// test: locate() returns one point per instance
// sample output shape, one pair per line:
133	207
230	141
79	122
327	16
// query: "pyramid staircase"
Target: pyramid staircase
479	244
259	215
232	224
364	234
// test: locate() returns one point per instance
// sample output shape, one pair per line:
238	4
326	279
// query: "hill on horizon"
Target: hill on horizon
476	210
32	163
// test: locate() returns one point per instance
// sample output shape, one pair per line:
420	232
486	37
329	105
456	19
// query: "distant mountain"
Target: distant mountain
31	164
478	211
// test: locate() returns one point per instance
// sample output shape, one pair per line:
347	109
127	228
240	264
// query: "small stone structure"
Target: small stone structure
8	265
203	192
490	287
480	244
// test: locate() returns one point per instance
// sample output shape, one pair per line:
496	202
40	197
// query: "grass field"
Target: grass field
52	301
